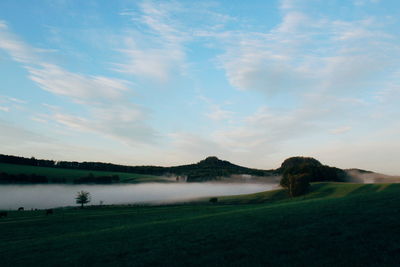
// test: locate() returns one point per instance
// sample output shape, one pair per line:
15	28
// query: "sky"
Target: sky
172	82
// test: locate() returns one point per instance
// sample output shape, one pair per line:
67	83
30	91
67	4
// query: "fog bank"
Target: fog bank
49	196
357	176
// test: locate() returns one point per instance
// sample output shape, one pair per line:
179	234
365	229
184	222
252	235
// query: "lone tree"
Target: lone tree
296	181
82	198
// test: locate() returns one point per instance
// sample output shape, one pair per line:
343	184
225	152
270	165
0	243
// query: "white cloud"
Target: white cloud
293	22
11	103
5	109
341	130
106	101
156	63
38	119
156	50
308	54
17	100
216	111
219	114
254	69
54	79
17	49
288	4
265	130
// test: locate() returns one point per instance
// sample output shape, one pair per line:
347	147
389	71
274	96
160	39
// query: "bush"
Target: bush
214	200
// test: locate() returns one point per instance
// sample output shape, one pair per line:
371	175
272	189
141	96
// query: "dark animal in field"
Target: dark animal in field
49	211
3	214
214	200
20	208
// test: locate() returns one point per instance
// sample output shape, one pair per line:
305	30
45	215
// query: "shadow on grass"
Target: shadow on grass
368	188
317	191
320	190
276	196
390	187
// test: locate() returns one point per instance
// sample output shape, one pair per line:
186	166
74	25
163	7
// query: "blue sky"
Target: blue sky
171	82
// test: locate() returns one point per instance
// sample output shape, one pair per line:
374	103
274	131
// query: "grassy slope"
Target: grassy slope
319	190
335	225
70	174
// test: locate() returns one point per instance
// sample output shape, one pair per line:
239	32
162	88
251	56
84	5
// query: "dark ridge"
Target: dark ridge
213	168
210	168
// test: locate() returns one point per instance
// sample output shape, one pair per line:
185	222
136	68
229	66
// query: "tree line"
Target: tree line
6	178
94	166
207	169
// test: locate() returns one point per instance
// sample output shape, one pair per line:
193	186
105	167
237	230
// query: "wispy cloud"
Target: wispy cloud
162	54
305	53
217	112
341	130
106	100
11	103
17	49
57	80
5	109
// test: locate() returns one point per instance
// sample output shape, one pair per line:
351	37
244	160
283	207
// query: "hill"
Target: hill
357	222
208	169
12	173
213	168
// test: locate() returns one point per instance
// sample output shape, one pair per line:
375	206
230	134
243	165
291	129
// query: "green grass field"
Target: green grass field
334	225
70	175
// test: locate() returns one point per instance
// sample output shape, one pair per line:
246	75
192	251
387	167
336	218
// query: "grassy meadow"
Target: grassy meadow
70	174
334	225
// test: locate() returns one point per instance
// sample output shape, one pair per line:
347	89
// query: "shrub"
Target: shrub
214	200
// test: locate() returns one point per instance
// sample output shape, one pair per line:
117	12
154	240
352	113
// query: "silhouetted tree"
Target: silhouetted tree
296	179
82	198
214	200
296	184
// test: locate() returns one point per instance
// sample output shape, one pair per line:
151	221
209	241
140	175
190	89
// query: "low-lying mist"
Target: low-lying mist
356	176
50	196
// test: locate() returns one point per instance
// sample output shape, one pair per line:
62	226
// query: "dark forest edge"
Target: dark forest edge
22	178
209	169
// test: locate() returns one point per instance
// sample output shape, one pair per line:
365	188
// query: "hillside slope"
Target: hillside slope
342	225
